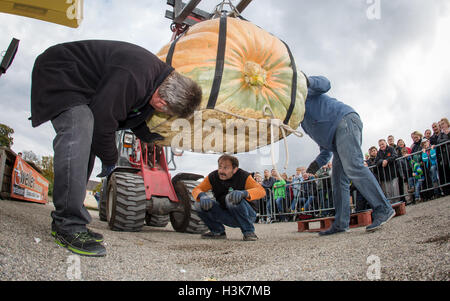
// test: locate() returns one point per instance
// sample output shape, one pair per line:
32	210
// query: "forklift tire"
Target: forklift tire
155	220
126	202
187	221
102	201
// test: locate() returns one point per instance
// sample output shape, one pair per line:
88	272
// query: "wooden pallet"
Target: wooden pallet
360	219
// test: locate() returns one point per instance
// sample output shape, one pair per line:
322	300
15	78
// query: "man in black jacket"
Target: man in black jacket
436	132
89	90
387	172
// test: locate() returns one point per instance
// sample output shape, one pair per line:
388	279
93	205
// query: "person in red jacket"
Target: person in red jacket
233	205
89	90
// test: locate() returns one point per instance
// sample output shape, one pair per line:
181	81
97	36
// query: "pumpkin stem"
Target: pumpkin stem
254	74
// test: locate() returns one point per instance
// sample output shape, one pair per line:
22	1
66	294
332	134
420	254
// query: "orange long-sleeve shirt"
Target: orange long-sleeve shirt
254	189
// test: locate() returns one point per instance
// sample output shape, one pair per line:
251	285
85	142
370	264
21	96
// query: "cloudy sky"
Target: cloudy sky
389	60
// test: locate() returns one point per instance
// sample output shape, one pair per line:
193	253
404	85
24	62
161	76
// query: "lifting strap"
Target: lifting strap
169	56
293	86
220	62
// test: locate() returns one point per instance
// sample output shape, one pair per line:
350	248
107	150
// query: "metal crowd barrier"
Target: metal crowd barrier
314	199
311	198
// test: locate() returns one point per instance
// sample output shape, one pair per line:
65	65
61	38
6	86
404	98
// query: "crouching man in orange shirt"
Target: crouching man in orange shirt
234	191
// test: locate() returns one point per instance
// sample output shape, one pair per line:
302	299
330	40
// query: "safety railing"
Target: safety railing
307	199
420	175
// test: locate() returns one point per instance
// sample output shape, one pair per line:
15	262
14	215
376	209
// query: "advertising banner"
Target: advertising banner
27	184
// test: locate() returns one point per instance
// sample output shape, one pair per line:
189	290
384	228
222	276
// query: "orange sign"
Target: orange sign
27	184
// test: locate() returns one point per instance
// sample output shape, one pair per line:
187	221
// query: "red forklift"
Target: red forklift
140	189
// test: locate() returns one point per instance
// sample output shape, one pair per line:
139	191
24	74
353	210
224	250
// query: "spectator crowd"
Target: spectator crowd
406	174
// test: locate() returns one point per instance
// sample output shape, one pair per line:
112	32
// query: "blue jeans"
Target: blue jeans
278	205
241	216
321	194
434	174
417	185
435	178
295	199
301	201
417	188
411	182
348	166
308	202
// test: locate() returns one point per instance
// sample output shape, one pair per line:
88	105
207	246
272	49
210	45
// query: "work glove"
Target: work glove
206	202
106	170
236	196
143	133
313	168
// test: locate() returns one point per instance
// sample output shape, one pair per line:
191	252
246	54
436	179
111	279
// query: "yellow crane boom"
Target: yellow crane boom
64	12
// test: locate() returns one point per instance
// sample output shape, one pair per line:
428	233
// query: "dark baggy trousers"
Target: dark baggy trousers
73	163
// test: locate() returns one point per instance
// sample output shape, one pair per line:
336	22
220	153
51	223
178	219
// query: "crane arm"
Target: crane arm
64	12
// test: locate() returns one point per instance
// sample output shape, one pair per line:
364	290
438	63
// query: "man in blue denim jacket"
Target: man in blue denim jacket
337	129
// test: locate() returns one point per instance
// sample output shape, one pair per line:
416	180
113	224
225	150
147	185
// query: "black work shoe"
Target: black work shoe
211	235
95	236
80	243
250	237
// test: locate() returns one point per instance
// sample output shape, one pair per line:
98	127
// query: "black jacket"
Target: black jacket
415	147
442	137
434	139
389	172
115	79
372	164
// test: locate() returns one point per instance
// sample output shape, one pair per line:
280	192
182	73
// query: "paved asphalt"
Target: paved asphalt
414	246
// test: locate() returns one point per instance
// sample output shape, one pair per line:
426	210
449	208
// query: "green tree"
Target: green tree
5	135
46	166
31	157
98	188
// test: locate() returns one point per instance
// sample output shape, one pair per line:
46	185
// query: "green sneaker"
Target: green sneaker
95	236
80	243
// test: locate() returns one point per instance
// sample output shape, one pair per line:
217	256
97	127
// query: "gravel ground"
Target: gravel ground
414	246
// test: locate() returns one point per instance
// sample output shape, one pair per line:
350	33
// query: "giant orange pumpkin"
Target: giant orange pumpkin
257	72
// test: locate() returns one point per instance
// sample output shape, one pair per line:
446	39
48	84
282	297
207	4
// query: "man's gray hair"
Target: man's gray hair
182	94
